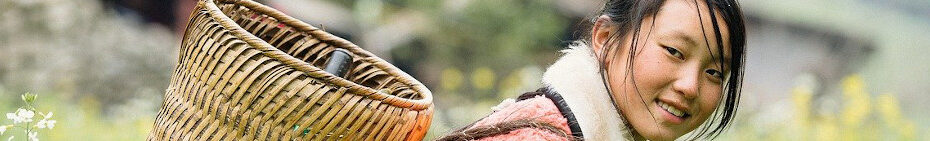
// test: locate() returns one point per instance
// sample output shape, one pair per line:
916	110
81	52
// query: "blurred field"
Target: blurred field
817	69
82	119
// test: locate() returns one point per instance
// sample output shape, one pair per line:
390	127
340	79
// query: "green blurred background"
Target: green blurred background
816	69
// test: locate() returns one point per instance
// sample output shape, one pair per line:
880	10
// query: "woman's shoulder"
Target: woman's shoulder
537	115
530	118
538	108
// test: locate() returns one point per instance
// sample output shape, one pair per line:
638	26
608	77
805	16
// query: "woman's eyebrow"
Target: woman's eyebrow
688	40
726	64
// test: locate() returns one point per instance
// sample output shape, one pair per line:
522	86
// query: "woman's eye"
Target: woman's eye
715	73
673	52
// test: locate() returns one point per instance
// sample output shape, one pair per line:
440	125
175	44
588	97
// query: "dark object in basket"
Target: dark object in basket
339	63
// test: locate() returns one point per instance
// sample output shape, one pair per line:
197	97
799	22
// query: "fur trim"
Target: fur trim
577	78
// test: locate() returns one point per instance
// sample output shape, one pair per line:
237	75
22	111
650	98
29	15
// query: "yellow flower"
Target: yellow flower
857	101
888	107
827	130
451	79
802	104
853	122
483	78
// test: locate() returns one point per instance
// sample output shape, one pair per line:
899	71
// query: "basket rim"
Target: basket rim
268	50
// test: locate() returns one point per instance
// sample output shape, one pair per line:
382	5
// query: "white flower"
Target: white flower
50	124
45	123
33	136
27	114
12	116
16	118
21	115
2	129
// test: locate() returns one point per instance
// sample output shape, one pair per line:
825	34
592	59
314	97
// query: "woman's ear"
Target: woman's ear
600	33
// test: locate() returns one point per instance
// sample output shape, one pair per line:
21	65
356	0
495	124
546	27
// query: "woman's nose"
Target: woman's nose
687	83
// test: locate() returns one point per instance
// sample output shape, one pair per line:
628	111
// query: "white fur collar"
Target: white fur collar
577	79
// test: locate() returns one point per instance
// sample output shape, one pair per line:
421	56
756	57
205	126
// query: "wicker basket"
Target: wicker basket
249	72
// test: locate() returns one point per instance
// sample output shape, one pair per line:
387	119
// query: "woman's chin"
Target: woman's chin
659	133
661	137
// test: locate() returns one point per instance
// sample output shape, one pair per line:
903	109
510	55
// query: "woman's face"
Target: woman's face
675	83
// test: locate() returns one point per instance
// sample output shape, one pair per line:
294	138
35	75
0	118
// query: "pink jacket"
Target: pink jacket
538	108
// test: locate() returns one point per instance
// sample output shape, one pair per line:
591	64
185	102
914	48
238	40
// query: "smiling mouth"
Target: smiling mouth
674	111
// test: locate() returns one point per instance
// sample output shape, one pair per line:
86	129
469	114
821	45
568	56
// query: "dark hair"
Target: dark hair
628	15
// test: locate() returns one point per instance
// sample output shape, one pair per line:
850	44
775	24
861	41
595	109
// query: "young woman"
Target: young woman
648	70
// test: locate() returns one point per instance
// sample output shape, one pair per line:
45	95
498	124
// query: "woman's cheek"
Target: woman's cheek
654	69
708	103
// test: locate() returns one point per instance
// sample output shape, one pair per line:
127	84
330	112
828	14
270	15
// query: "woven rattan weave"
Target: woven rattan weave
249	72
